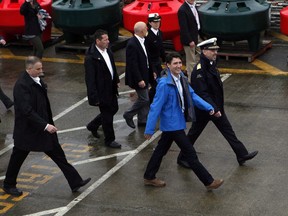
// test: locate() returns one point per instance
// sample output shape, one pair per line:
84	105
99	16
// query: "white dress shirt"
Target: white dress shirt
107	59
180	90
195	13
142	40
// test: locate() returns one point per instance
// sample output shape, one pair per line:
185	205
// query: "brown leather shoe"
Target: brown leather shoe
215	184
154	182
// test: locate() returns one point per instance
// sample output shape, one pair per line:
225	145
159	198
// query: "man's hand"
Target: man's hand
51	129
147	136
2	41
154	75
192	44
218	114
141	84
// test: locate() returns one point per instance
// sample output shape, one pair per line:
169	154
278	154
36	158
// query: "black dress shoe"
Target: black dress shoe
13	191
93	131
114	145
129	121
183	164
249	156
81	184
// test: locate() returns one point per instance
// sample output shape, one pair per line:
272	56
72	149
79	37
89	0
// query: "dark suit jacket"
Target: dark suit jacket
154	45
206	82
32	26
136	65
188	25
101	89
32	114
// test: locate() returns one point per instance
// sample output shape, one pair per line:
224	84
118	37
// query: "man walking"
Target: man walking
34	129
102	83
138	75
206	82
174	104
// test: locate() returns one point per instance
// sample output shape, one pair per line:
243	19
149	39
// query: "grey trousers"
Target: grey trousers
140	107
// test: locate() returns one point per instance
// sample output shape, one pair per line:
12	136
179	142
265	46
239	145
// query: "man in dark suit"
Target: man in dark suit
138	75
102	86
206	82
34	129
154	45
189	26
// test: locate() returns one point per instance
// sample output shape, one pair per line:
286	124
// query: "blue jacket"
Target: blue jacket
167	105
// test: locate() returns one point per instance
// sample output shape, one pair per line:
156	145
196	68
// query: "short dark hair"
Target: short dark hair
99	33
31	60
172	55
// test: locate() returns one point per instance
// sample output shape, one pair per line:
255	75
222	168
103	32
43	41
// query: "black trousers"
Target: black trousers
223	126
57	155
105	118
38	48
188	153
152	90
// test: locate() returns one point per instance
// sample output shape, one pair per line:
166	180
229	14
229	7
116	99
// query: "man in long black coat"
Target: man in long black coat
102	86
138	75
34	129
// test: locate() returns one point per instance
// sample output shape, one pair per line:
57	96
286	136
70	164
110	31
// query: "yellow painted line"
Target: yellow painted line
264	67
239	71
280	36
268	69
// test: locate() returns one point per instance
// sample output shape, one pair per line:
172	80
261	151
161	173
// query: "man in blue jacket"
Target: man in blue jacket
174	104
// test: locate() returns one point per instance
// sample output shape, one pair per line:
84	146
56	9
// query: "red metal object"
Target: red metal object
284	20
12	22
167	9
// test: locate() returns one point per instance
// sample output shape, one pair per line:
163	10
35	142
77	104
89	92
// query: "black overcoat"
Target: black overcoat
32	26
188	25
32	114
101	89
137	68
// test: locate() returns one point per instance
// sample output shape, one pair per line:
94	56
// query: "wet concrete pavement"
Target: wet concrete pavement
256	104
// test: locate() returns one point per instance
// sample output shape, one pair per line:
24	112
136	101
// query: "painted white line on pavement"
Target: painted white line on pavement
107	175
63	210
51	211
102	158
94	159
70	109
225	76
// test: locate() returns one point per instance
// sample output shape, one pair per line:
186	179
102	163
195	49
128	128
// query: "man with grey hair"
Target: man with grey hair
34	129
138	75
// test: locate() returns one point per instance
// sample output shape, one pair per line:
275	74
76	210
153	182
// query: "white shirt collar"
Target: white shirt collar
141	40
36	79
154	31
175	77
100	50
191	5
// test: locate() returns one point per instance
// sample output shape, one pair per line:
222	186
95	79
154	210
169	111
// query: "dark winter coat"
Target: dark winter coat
32	114
101	89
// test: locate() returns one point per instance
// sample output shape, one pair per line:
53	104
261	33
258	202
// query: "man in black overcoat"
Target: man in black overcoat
102	83
34	129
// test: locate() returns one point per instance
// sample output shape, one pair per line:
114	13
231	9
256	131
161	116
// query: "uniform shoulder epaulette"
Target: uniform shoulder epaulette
198	66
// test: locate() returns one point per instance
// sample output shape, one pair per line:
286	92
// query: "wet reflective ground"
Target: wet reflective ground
256	103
